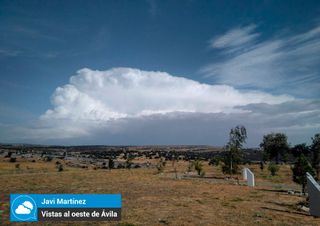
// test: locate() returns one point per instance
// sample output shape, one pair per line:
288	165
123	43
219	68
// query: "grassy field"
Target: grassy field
150	198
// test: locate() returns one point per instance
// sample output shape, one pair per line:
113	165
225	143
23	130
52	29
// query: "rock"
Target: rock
290	192
304	208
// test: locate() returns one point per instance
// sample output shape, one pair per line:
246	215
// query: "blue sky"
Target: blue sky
191	71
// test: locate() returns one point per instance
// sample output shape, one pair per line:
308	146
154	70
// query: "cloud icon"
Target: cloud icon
22	210
28	205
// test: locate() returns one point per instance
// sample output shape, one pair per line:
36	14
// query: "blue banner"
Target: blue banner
55	207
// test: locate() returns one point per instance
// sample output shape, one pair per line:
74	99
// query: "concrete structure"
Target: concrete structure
244	173
249	176
313	189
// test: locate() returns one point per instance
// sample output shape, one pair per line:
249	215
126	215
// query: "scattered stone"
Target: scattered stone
290	192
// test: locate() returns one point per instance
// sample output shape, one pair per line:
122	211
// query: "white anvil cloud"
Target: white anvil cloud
125	93
130	106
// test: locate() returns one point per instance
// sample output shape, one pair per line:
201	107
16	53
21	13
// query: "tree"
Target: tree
300	169
299	149
232	157
315	150
274	145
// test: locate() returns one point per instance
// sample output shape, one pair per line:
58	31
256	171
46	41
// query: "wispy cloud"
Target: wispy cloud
289	64
9	52
234	38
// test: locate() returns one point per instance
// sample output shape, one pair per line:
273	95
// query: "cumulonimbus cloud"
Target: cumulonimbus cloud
131	106
127	92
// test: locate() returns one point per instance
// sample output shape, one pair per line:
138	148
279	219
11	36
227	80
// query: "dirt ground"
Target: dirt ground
152	198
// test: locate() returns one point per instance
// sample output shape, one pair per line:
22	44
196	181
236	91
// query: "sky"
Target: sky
158	72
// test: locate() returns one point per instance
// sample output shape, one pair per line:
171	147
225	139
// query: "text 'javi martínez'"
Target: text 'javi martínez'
64	201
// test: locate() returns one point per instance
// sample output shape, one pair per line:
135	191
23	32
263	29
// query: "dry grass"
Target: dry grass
159	199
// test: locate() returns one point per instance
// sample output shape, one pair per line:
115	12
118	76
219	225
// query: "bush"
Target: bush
190	166
48	158
129	160
17	166
215	161
261	166
12	159
60	167
273	168
198	166
161	164
111	163
8	155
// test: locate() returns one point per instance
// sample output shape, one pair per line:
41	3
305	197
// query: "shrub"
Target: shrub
111	163
60	167
261	166
129	160
198	166
215	161
190	166
161	165
273	168
48	159
12	159
8	155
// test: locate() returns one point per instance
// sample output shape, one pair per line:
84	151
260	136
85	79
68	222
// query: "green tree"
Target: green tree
315	150
274	145
232	157
300	169
299	149
273	168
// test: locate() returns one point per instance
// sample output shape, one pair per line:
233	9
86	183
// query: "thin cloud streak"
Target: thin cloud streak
289	64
